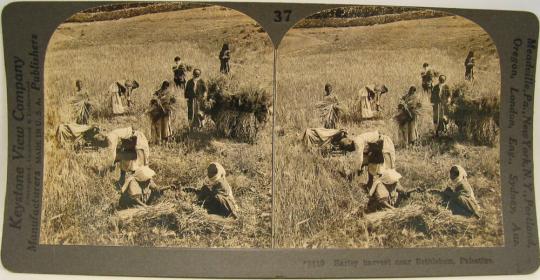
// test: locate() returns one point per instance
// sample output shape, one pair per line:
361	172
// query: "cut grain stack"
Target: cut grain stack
239	112
329	112
476	115
146	213
408	109
397	217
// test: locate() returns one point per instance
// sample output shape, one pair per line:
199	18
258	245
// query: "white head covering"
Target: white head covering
215	170
144	173
462	174
390	176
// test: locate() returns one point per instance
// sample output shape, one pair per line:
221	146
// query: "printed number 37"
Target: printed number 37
280	16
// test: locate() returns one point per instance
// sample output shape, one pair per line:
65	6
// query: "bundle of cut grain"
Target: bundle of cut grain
146	213
83	109
476	114
329	112
408	109
237	112
397	217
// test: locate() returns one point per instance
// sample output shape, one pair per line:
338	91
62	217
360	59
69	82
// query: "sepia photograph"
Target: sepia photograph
387	131
158	128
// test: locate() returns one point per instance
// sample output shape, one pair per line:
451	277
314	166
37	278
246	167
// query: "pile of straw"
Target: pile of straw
146	213
477	117
238	112
83	109
399	217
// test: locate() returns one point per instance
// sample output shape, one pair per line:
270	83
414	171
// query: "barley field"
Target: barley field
78	202
315	207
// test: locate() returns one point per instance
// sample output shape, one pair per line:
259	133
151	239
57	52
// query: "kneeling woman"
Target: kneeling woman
217	193
462	196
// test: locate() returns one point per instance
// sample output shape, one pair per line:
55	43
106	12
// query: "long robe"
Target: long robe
161	125
464	198
220	198
408	131
364	104
116	99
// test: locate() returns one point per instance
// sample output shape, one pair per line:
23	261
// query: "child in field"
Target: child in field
427	78
179	73
224	57
329	96
469	67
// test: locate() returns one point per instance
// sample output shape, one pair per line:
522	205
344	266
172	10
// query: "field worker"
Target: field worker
440	99
179	73
427	78
120	90
81	104
323	140
462	196
371	149
384	192
78	136
369	100
138	188
129	148
195	91
224	57
161	111
217	192
469	66
329	96
130	86
408	130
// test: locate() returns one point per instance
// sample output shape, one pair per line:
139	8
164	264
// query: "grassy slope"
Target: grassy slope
315	207
77	202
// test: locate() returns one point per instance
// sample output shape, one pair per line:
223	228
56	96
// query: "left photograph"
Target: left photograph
158	128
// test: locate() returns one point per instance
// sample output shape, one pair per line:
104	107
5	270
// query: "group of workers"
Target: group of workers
130	152
374	153
129	147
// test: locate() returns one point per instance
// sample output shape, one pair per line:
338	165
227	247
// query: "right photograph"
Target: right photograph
387	131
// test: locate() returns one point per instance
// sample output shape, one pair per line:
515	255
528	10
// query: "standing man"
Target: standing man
195	90
440	99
